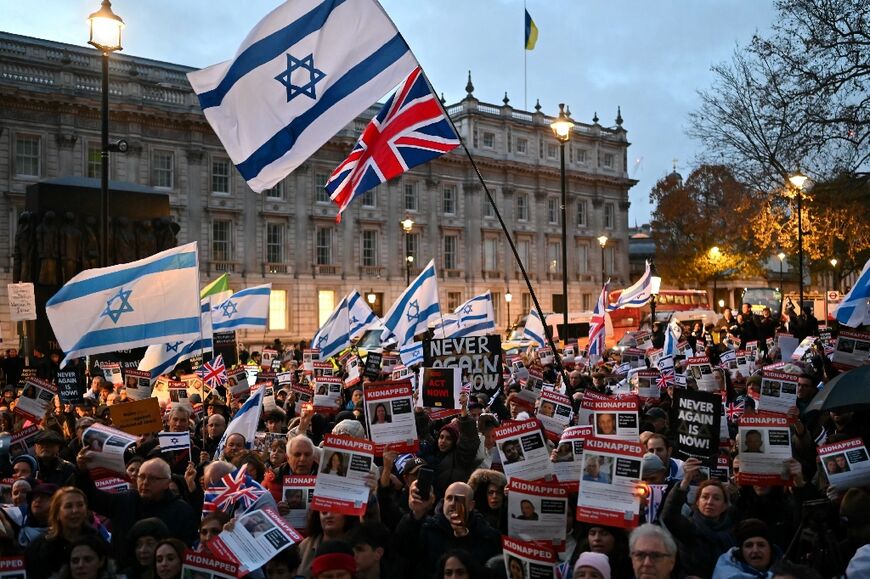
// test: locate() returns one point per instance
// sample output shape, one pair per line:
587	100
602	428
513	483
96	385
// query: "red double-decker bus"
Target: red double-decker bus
668	300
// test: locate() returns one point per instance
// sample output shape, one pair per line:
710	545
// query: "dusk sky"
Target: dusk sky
650	58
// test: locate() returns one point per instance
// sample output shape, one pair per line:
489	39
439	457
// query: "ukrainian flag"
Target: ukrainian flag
531	32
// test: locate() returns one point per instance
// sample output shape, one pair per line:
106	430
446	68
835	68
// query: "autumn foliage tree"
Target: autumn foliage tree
709	209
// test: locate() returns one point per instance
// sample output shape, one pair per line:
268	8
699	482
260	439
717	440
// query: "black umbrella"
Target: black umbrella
847	389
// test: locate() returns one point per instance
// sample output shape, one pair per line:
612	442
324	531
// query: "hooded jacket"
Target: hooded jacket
731	566
479	482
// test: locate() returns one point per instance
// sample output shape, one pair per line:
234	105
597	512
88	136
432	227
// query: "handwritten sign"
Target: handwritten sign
22	302
140	417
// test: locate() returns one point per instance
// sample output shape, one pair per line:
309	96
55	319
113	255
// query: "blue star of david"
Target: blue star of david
173	347
413	311
314	76
467	309
230	308
123	307
174	440
353	320
322	340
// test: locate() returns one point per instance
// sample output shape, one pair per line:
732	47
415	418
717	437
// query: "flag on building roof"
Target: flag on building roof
531	32
476	317
245	309
305	71
854	310
636	295
149	301
534	328
410	129
416	308
234	493
213	372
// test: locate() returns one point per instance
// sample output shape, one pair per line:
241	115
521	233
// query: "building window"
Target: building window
581	213
490	254
162	169
586	302
488	209
220	176
222	240
27	157
554	256
448	200
609	210
488	140
553	211
450	260
276	192
527	302
323	246
608	160
496	306
411	197
325	305
278	310
321	194
582	258
95	162
274	243
580	156
558	303
454	299
524	250
522	145
551	150
370	199
369	248
412	243
523	207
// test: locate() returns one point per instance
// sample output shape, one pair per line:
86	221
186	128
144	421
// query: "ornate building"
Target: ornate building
50	127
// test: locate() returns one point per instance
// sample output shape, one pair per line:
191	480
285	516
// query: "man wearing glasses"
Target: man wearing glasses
653	552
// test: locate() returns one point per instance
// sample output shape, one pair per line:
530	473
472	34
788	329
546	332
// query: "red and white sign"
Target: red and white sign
537	510
527	559
523	450
608	489
846	463
765	446
389	415
554	412
341	486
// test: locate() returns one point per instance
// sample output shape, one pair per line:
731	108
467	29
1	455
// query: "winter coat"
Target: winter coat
45	556
730	566
479	482
458	464
700	539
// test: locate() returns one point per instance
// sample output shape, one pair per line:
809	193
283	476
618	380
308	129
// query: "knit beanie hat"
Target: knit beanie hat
34	467
750	528
333	556
452	429
350	427
597	561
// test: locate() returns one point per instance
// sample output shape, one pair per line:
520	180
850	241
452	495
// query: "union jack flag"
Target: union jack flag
735	410
410	130
665	377
597	329
213	373
236	490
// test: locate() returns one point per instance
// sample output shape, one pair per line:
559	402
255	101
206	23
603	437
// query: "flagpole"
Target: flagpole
547	331
525	76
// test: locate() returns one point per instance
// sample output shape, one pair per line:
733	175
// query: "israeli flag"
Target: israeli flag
245	422
305	72
636	295
360	315
416	308
854	310
170	441
534	329
245	309
162	358
150	301
411	354
476	317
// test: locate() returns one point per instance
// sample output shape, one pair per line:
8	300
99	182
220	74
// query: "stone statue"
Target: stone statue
146	239
90	244
70	246
166	228
48	250
125	241
23	250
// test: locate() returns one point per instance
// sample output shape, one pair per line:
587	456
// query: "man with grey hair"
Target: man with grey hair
301	455
653	552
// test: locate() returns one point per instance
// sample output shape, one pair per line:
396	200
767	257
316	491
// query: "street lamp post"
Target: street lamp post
799	180
781	257
833	283
602	241
508	298
105	36
562	130
714	257
408	226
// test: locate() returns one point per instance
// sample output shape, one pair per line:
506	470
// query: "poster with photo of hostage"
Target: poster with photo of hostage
341	479
567	458
257	537
106	447
527	559
353	368
522	450
194	385
645	384
745	364
22	441
765	445
852	350
323	369
554	412
36	399
846	463
12	568
112	373
537	511
138	384
584	415
199	565
303	395
390	416
654	355
701	370
327	394
608	488
615	418
778	391
298	492
309	357
635	357
178	394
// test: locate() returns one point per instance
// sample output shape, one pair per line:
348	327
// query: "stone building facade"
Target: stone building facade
50	127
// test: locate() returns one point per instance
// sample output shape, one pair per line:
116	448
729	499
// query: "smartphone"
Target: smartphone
424	482
460	510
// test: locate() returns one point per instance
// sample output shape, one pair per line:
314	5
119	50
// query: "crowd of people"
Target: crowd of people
690	523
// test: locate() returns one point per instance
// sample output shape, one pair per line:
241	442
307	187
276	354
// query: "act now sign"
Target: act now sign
478	357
